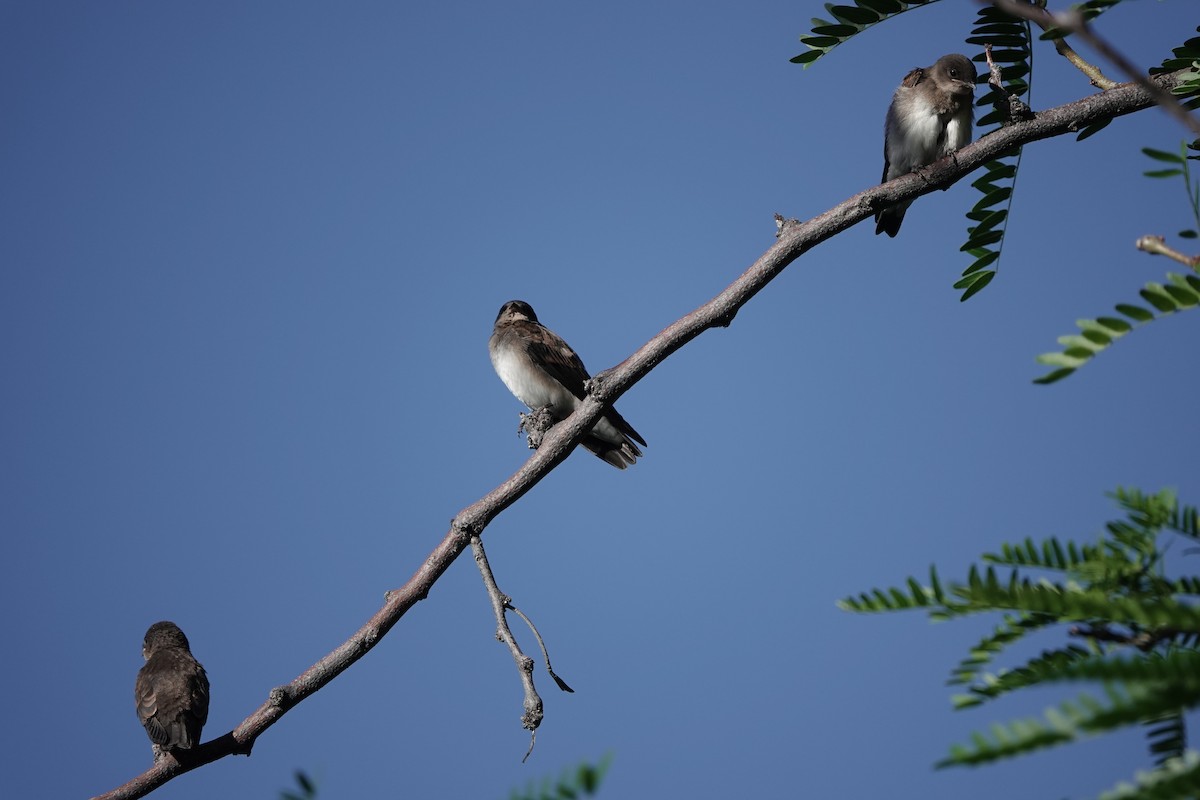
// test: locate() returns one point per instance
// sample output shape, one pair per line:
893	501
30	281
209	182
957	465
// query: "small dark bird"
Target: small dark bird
544	372
929	118
171	690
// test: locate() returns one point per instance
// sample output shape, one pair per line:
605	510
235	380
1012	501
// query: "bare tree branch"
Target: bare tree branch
795	238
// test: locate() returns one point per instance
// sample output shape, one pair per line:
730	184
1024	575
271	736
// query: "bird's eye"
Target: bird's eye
953	72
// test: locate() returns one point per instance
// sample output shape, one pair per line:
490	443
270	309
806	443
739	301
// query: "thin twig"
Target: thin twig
1017	109
1156	245
532	717
542	644
794	240
1046	21
1073	22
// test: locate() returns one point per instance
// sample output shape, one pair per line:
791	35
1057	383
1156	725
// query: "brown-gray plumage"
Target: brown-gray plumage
171	689
544	372
929	118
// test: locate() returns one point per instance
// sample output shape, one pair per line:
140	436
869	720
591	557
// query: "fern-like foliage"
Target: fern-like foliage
1155	511
1036	670
848	21
306	788
1186	56
1009	39
1177	779
1181	292
1167	736
1009	631
1051	555
1069	721
581	781
1180	167
1135	633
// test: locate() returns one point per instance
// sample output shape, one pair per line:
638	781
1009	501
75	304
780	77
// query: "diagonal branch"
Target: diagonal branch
795	238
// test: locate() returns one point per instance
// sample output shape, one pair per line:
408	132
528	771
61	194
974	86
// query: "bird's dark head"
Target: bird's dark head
516	309
161	636
955	73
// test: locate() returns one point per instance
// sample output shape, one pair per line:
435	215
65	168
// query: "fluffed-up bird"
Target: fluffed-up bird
544	372
929	118
171	690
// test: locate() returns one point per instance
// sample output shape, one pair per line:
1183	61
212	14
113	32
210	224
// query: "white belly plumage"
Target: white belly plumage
531	385
536	389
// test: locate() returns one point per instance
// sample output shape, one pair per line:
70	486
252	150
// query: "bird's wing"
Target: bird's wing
624	427
913	77
556	358
144	692
199	690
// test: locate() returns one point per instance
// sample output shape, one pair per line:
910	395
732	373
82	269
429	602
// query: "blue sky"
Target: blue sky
252	255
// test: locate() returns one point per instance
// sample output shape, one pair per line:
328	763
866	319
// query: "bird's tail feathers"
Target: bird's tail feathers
888	221
620	456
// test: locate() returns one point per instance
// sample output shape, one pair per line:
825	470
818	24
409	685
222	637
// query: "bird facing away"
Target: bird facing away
171	690
544	372
929	118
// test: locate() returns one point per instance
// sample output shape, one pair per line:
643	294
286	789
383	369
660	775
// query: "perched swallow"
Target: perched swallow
171	690
544	372
930	117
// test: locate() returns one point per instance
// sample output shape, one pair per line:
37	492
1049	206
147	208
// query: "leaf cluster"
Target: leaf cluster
1181	292
306	788
848	21
581	781
1186	56
1133	629
1008	39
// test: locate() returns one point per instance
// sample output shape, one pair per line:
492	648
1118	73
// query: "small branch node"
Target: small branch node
1157	246
532	717
534	425
725	319
466	529
783	224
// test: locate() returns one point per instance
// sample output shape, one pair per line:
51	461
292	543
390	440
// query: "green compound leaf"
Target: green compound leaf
1098	334
848	21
